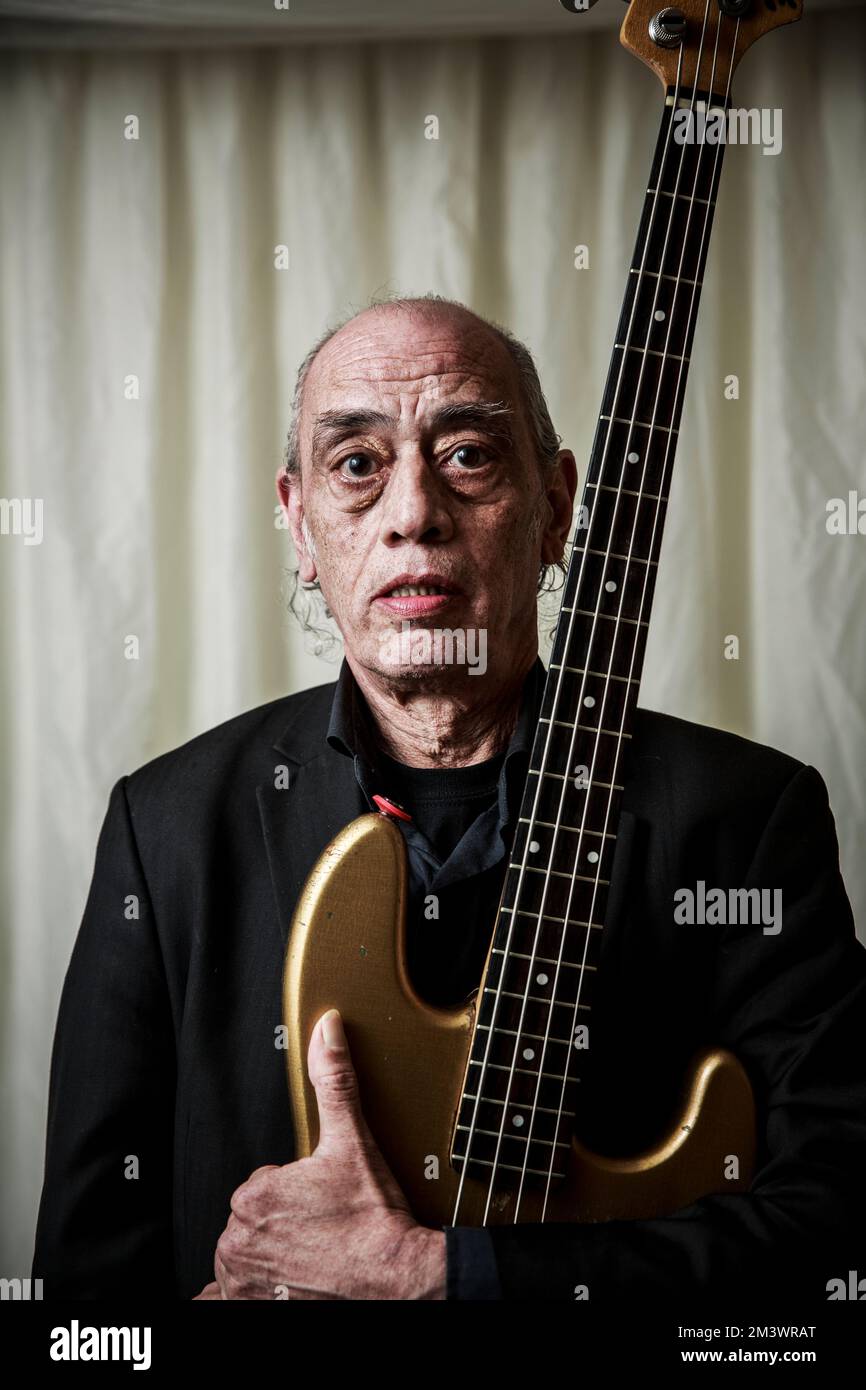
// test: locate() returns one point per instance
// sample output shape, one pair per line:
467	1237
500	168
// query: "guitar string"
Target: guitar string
557	691
587	662
553	1000
666	466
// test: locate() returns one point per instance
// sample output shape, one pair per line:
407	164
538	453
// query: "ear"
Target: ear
560	493
289	493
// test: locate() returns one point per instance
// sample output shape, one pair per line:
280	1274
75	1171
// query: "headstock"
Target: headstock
655	31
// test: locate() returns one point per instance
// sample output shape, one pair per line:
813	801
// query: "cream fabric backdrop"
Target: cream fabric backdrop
155	258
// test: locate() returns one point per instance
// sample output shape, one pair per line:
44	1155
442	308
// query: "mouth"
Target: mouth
414	595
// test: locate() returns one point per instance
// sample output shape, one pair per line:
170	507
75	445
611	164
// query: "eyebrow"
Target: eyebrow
492	417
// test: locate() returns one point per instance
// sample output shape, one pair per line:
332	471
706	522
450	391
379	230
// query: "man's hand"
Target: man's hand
334	1225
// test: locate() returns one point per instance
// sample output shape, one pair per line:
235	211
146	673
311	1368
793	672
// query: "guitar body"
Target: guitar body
347	951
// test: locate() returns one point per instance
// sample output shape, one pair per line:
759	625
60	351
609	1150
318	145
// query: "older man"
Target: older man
424	486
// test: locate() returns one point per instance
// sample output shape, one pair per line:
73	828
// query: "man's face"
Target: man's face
417	471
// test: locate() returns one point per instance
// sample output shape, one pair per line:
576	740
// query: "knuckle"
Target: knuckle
339	1084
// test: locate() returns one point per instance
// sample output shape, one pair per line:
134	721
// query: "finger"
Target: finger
333	1076
210	1291
221	1271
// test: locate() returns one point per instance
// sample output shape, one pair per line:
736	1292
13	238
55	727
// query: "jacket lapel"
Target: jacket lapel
300	819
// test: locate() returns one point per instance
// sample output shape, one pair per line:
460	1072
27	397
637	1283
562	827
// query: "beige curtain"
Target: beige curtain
148	349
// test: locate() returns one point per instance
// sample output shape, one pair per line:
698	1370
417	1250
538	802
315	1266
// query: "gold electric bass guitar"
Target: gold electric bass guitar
474	1107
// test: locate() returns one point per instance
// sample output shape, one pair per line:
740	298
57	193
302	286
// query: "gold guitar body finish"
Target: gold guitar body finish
346	950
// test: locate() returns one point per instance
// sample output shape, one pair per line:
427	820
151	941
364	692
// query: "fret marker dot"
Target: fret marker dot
517	1121
633	457
533	846
589	701
541	979
528	1054
592	857
659	315
611	586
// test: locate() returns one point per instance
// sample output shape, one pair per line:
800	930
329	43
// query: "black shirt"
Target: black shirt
463	822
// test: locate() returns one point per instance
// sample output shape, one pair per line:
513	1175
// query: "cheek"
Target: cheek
342	561
509	550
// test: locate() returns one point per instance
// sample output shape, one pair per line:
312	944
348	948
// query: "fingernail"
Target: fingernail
332	1031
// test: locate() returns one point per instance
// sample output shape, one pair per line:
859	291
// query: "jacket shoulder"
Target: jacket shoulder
241	749
709	770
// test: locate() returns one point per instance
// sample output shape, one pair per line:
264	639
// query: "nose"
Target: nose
415	504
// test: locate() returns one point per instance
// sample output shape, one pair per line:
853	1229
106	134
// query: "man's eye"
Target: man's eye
470	456
357	466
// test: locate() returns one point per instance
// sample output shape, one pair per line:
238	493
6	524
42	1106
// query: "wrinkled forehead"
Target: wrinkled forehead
410	361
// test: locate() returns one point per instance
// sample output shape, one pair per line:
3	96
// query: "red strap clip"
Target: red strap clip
390	808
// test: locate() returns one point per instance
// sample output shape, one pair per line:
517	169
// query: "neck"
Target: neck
453	726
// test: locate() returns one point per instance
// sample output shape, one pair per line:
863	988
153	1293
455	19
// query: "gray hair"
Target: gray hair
545	440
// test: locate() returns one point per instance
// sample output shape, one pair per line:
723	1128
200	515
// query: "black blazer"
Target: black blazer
165	1067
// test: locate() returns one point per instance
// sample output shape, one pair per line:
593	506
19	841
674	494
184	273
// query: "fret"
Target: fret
544	960
629	559
515	1134
603	675
509	1167
680	279
497	993
654	352
559	778
495	1100
522	1071
710	202
560	873
547	917
626	492
514	1014
589	728
522	1033
642	424
549	825
611	617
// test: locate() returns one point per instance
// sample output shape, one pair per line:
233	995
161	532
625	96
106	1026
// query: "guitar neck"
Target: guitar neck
535	1002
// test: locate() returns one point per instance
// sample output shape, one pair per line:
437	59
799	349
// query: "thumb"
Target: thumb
333	1076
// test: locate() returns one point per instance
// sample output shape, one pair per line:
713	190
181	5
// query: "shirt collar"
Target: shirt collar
350	732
